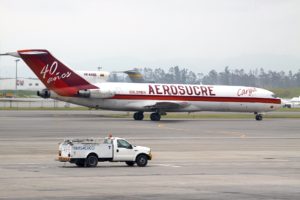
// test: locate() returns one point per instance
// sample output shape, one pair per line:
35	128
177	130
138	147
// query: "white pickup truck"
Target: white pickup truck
88	152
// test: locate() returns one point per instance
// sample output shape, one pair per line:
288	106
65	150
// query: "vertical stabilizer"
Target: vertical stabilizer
54	74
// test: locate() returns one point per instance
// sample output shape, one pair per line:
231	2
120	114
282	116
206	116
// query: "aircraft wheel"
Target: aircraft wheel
258	117
155	116
138	116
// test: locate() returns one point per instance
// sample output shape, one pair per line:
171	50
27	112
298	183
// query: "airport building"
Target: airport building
31	84
27	84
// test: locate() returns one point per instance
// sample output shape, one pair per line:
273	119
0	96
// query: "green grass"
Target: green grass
44	108
19	93
289	110
286	92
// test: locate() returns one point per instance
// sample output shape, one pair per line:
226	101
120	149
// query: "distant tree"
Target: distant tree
256	77
211	78
159	75
191	78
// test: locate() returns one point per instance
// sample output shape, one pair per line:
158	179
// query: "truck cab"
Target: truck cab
88	152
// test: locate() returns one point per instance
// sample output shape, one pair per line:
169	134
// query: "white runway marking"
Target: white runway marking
167	165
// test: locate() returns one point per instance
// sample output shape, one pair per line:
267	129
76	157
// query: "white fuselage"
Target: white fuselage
88	88
189	98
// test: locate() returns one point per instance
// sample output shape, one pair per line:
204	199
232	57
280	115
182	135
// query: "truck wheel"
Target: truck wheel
142	160
130	163
91	161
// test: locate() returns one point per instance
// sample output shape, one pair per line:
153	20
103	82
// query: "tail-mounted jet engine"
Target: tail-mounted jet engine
95	93
45	93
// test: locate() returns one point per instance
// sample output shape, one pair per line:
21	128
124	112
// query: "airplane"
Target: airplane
104	76
94	76
65	84
134	75
291	103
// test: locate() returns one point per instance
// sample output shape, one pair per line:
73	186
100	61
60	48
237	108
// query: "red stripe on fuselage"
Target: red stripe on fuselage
197	98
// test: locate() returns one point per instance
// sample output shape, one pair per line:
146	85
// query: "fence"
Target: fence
34	103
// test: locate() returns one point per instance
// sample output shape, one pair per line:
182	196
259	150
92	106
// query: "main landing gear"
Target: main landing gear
258	116
155	116
140	116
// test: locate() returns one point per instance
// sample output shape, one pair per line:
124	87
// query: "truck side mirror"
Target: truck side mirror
130	147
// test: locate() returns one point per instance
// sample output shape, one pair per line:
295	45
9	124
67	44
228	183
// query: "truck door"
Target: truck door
123	151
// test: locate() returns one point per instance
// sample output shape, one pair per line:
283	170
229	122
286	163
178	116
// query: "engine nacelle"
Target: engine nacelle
95	93
45	93
84	93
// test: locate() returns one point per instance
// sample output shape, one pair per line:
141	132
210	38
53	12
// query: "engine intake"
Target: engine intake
45	93
84	93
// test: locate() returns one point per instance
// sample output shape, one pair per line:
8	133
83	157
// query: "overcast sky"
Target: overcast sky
118	35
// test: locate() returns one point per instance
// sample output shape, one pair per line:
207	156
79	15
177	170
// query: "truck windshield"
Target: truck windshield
124	144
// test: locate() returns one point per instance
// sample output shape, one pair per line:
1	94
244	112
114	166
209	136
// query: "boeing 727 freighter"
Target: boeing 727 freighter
65	84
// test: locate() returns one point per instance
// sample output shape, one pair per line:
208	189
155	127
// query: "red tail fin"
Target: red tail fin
54	74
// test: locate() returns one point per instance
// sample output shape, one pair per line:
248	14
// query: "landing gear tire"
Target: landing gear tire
91	161
138	116
142	160
258	117
130	163
155	116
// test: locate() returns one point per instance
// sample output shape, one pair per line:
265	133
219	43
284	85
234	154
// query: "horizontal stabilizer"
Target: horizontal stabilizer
14	54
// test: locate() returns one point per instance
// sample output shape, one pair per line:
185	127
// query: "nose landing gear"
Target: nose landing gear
258	117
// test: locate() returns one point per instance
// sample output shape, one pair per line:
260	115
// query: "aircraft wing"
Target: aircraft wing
167	106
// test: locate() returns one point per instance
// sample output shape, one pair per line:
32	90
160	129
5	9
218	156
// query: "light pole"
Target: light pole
17	60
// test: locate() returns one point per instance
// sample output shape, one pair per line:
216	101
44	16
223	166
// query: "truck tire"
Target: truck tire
142	160
91	161
130	163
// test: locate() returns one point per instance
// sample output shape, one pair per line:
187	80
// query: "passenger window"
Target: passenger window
124	144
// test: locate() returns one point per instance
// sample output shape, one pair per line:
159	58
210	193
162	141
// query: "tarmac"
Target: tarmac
192	158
